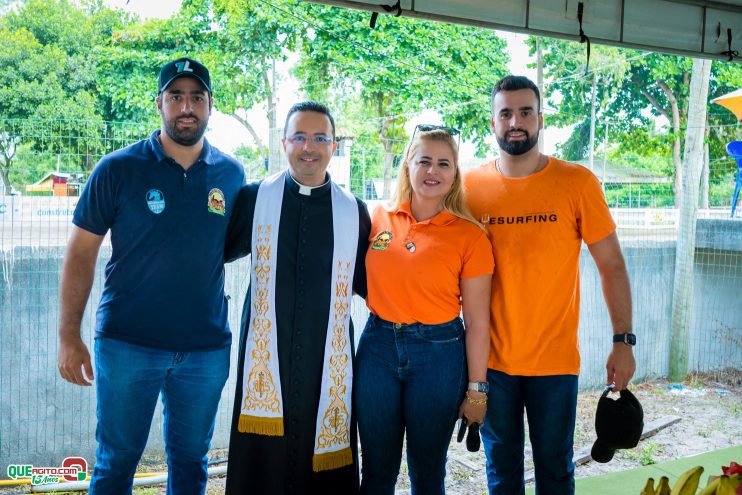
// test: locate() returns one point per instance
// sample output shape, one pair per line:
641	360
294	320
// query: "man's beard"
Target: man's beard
185	137
517	147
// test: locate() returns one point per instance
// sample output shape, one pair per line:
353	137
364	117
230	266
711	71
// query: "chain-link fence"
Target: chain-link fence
43	418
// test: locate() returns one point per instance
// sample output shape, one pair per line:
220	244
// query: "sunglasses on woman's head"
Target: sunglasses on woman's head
451	131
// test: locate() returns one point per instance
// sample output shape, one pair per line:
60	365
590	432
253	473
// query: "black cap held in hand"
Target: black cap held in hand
472	438
183	67
619	424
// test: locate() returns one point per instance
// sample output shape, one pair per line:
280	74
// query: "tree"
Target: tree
686	247
238	40
635	88
47	74
251	38
129	63
400	68
255	165
29	74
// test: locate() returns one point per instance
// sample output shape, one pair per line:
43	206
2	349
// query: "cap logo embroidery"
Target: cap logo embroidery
216	202
382	240
184	66
155	201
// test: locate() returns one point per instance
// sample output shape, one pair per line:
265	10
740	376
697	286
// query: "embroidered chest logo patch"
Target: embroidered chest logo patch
216	202
155	201
382	240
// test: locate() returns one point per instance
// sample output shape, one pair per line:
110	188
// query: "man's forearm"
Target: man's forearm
617	294
615	281
75	286
74	289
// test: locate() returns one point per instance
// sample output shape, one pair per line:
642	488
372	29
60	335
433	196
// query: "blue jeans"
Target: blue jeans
551	407
128	380
413	378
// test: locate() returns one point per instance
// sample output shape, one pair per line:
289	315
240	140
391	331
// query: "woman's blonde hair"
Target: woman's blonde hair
453	201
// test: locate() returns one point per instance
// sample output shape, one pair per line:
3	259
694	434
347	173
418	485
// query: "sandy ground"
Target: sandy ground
710	408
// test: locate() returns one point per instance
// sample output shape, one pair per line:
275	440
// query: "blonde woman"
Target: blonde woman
428	260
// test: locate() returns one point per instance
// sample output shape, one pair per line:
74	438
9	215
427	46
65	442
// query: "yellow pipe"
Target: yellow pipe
24	481
27	481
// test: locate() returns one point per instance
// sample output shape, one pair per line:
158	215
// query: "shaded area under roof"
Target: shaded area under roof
695	28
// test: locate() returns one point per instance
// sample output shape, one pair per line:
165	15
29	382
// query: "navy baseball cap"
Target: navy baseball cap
184	67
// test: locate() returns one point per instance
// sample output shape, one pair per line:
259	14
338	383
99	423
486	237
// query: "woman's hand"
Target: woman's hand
474	407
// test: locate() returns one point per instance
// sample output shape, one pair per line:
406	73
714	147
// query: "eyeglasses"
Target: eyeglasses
300	139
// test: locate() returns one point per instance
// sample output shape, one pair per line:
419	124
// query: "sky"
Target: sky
227	135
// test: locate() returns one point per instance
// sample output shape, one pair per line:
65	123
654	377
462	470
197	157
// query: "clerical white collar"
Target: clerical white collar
307	190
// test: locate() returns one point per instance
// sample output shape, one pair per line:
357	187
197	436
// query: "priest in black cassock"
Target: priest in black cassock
293	430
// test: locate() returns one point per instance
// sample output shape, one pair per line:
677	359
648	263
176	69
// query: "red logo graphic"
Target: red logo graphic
79	463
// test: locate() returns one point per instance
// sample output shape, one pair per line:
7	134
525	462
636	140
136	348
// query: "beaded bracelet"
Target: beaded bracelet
476	402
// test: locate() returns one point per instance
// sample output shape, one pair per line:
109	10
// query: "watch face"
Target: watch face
482	387
626	338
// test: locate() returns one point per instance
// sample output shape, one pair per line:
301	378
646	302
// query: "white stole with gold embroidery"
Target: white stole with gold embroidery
261	409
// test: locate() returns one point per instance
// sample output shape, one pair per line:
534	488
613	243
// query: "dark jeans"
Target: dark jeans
128	380
551	406
413	378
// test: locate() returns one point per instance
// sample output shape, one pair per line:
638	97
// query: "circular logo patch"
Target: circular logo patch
216	201
155	201
382	240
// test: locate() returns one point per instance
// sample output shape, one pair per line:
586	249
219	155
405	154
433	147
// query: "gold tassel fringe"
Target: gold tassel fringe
261	426
332	460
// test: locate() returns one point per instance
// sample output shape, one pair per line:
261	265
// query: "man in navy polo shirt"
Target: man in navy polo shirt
161	325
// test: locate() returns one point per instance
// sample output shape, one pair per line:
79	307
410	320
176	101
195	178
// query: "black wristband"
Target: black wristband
627	338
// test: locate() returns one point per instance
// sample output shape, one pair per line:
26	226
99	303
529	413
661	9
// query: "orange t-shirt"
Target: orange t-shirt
421	284
537	224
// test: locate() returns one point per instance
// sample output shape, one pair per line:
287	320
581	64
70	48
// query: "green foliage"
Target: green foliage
238	40
49	70
246	154
645	457
130	62
720	195
255	165
31	166
639	195
576	147
403	66
655	162
367	157
633	89
250	36
398	69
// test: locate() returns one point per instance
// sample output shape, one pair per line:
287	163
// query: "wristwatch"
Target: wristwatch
482	387
627	338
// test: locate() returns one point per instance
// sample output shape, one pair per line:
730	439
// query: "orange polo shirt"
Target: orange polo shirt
537	224
421	283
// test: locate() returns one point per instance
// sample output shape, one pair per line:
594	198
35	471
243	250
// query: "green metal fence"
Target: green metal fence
44	419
